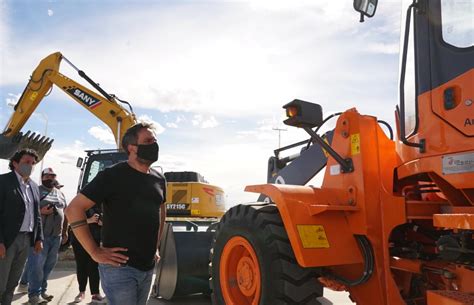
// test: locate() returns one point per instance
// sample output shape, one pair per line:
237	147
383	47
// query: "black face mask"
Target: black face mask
148	152
49	183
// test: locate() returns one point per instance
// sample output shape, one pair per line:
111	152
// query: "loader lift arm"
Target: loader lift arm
299	168
104	106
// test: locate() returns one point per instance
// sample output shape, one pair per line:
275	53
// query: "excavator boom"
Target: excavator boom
104	106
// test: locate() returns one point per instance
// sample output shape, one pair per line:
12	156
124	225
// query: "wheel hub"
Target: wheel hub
240	273
246	275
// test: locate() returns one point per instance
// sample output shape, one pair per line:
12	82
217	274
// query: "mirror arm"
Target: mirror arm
346	164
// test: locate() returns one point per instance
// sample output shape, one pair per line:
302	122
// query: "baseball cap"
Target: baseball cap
48	171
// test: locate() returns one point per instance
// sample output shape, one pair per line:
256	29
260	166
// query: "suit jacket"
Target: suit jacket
12	209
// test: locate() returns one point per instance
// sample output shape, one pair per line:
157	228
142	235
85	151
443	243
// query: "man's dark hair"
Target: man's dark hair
131	135
19	154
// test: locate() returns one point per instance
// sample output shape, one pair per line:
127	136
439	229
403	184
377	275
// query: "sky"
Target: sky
212	75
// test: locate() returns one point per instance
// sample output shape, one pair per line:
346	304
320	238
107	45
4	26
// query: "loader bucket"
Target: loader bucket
10	145
184	265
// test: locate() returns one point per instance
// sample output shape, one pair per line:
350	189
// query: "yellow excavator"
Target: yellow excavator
193	205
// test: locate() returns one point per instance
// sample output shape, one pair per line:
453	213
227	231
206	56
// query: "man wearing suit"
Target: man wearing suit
20	221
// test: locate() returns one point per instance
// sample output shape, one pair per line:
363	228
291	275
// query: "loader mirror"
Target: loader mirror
303	114
79	162
365	7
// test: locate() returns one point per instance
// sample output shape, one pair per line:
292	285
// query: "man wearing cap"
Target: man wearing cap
40	265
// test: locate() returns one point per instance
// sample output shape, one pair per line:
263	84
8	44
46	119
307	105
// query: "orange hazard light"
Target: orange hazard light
291	111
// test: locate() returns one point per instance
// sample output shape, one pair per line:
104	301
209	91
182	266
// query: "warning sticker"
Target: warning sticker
195	212
335	170
355	144
313	236
324	151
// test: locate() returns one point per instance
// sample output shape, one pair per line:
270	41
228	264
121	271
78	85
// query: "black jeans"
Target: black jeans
86	268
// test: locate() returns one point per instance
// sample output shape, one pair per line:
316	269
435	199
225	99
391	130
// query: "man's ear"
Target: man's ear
132	148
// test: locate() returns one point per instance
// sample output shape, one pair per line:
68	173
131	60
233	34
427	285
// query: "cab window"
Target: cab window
410	74
96	167
457	21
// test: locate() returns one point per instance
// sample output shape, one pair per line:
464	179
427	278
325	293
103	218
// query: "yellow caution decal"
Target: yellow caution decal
355	144
313	236
324	151
195	212
33	96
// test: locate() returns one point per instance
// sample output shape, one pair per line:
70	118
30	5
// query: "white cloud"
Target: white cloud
384	48
171	162
180	118
102	133
78	143
204	122
50	12
216	62
12	99
171	125
210	122
4	41
159	129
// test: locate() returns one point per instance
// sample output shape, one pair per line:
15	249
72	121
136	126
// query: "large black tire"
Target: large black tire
283	281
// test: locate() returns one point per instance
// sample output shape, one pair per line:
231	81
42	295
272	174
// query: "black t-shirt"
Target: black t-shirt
131	202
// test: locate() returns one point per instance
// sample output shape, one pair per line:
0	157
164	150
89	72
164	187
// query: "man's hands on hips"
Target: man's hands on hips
3	251
65	238
110	256
157	256
38	246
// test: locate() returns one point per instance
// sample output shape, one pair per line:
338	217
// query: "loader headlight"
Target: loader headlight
303	114
291	111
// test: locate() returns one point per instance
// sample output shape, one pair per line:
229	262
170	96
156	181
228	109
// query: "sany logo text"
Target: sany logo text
85	98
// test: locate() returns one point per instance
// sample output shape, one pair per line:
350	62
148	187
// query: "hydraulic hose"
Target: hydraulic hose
369	263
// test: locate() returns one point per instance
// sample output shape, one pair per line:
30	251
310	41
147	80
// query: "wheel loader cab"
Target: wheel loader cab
436	80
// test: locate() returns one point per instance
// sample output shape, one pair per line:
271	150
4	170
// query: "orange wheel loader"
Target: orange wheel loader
393	221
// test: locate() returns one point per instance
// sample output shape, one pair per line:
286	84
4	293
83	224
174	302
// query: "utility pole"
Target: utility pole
279	134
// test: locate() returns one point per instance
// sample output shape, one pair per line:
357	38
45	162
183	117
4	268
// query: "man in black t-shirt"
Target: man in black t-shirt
132	196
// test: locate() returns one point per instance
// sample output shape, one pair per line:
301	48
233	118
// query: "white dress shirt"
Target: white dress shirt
27	195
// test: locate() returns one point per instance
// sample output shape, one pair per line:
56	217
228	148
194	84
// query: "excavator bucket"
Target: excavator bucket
184	265
10	145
